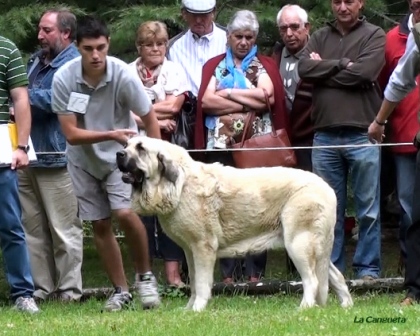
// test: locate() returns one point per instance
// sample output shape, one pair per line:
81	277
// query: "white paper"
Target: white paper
78	102
6	147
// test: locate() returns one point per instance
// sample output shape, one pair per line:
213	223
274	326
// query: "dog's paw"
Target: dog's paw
347	303
190	303
199	305
307	305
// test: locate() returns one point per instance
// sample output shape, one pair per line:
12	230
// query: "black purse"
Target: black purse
184	129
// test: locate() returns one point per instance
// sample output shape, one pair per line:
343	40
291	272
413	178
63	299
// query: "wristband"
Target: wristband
380	123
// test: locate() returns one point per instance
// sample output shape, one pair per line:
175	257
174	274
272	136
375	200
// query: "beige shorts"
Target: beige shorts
97	198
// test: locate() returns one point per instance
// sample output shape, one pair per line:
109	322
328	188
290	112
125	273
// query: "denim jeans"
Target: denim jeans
363	164
12	237
405	165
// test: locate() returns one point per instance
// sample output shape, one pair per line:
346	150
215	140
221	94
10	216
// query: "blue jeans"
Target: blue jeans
405	165
12	237
363	164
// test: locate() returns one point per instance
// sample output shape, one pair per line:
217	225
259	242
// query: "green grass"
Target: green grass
274	315
225	315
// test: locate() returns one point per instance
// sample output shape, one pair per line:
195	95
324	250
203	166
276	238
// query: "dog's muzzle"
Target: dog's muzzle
131	174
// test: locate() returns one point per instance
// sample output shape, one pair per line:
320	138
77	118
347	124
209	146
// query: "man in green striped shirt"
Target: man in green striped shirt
13	85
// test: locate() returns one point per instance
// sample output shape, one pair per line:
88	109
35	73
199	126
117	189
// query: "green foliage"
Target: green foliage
19	18
126	21
20	23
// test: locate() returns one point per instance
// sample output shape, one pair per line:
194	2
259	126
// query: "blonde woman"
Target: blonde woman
164	81
167	86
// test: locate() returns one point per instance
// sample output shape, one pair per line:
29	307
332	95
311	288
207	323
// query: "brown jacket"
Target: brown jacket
301	128
344	96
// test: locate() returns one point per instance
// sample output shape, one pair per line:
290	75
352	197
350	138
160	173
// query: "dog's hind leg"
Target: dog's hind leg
191	274
321	270
303	256
339	286
204	256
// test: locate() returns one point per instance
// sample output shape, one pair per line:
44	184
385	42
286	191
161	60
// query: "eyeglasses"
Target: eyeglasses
293	27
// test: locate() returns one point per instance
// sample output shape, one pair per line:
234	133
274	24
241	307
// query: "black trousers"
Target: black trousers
412	270
160	245
250	266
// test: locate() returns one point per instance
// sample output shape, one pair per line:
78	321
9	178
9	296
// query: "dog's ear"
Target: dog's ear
167	168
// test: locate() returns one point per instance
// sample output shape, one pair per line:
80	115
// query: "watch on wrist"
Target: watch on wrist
24	148
380	123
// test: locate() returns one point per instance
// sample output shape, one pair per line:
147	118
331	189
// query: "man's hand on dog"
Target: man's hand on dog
122	135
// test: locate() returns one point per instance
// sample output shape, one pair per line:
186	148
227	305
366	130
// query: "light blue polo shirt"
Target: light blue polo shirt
108	108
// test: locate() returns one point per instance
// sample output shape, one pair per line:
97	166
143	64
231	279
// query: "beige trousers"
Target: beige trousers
53	231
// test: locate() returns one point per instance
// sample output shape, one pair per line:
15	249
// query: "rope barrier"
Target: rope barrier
278	148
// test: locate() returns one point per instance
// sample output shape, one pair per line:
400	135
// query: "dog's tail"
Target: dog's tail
321	272
339	285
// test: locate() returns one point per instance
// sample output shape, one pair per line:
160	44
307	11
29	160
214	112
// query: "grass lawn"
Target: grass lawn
226	315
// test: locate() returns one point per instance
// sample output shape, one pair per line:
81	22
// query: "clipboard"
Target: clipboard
8	143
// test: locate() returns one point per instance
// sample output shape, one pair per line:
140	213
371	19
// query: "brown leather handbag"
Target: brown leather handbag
234	126
264	158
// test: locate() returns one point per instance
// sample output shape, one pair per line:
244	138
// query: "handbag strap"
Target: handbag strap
248	122
246	127
270	114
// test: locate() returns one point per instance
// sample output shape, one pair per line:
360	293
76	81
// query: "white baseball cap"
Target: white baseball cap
199	6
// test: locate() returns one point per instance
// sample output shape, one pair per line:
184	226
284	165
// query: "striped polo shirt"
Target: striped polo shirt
192	52
12	74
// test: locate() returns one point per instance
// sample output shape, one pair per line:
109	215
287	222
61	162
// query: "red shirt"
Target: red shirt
403	121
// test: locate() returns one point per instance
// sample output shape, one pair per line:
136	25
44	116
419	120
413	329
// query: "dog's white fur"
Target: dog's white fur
213	211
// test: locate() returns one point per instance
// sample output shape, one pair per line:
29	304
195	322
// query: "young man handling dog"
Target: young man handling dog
93	96
401	83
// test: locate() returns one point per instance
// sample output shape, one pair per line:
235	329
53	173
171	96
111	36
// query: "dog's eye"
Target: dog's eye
139	147
125	145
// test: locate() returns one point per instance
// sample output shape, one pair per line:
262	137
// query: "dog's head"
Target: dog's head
154	170
145	160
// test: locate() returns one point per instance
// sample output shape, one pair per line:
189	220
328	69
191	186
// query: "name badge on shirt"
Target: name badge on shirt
78	102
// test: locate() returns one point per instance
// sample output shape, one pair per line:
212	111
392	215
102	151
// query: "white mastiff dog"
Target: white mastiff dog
215	211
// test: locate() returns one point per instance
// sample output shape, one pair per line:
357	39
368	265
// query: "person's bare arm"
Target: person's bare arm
170	107
79	136
17	83
138	120
151	124
400	84
167	125
134	96
252	98
214	104
68	120
22	113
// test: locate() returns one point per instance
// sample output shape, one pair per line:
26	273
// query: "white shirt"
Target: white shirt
410	22
171	80
193	52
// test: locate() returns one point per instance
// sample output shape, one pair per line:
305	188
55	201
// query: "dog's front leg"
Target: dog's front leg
191	275
204	260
